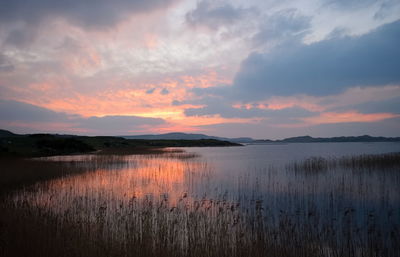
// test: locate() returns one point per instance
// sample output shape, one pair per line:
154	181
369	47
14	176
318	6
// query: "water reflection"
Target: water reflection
122	179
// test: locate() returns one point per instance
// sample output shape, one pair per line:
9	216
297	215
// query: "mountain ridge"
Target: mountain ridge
188	136
249	140
341	139
246	140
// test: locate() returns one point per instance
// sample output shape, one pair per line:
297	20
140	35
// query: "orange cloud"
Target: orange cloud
209	79
119	97
302	101
133	100
42	87
151	41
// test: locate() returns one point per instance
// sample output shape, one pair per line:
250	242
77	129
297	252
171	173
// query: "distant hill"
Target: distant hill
309	139
187	136
249	140
6	133
173	136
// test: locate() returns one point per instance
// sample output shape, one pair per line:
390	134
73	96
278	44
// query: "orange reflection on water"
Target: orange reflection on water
121	181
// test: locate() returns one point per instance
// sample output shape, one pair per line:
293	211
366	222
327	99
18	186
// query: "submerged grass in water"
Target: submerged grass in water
179	205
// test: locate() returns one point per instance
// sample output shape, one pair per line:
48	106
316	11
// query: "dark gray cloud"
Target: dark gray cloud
285	24
213	14
164	91
21	37
86	13
13	111
176	103
387	106
21	20
323	68
18	111
150	91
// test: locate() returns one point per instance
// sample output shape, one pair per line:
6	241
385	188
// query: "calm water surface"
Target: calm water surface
246	181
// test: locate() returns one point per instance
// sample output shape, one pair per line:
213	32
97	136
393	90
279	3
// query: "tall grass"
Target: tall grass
171	206
359	162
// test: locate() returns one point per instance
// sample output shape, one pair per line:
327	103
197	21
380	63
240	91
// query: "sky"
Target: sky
257	68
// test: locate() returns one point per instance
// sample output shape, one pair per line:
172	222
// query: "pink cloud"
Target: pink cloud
347	117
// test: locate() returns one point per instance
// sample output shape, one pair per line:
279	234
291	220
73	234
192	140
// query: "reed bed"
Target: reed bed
171	206
17	173
358	162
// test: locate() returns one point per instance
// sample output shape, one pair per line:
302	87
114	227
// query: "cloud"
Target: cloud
348	116
5	64
355	105
349	3
25	117
113	124
322	68
164	91
215	106
25	23
214	14
18	111
176	103
85	13
387	8
387	106
285	24
78	57
150	91
21	37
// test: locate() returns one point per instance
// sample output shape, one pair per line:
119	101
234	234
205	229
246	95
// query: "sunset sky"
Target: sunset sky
264	69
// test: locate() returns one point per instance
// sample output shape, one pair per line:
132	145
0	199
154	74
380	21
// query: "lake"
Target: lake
312	199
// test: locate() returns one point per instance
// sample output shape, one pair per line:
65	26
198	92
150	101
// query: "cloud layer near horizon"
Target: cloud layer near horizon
17	115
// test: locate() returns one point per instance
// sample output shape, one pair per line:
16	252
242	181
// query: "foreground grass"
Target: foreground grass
210	228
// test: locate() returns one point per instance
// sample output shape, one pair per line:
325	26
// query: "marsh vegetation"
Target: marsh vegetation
188	204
